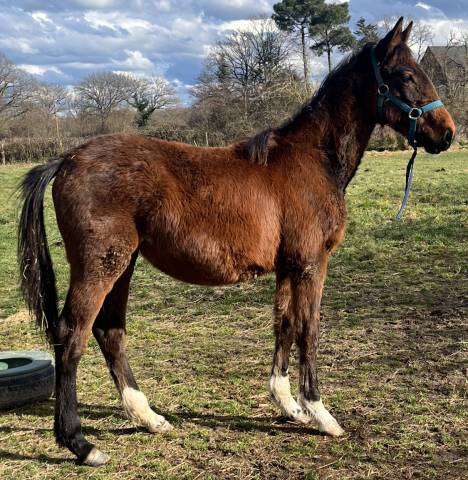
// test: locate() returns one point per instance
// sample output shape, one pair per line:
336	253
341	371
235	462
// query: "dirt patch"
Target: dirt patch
22	316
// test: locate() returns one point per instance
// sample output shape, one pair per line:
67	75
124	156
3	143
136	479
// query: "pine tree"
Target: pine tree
294	16
328	29
365	33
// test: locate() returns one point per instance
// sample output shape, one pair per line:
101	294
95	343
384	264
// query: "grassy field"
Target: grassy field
392	357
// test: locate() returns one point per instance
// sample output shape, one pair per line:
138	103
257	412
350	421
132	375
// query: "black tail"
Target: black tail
36	272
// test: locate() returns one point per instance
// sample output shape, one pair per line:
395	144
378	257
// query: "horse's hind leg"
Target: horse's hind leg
95	264
285	330
70	339
109	330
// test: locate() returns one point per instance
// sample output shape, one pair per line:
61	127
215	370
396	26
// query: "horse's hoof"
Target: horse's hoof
320	417
163	427
332	428
96	458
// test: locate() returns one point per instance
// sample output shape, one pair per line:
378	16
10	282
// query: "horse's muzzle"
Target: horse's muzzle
435	147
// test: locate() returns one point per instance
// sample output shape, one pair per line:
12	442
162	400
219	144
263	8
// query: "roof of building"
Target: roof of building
459	54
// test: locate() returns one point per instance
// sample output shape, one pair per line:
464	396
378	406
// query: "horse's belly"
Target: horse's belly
205	261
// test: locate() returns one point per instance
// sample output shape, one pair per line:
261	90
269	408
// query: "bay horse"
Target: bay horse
212	216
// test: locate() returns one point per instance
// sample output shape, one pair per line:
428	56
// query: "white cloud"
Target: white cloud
80	65
41	17
135	61
423	5
98	20
163	5
22	45
94	3
39	70
116	21
167	37
245	25
442	28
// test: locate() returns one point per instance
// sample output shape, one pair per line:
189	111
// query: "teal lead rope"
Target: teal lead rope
383	95
409	179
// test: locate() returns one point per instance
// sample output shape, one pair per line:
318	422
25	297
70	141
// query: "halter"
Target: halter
414	113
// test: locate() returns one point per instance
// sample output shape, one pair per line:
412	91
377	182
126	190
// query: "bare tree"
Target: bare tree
247	84
421	35
101	93
148	95
51	99
250	63
16	88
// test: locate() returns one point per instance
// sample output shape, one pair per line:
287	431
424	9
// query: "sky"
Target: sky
62	41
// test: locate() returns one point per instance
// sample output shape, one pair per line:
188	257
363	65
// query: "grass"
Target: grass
392	356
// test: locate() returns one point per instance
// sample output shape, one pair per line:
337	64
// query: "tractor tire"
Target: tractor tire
25	377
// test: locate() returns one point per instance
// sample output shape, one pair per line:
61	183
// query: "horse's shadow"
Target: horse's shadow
5	455
243	423
267	424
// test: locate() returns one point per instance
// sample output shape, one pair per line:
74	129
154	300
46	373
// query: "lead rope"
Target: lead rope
410	166
409	179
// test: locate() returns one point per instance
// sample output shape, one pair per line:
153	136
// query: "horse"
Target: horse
274	202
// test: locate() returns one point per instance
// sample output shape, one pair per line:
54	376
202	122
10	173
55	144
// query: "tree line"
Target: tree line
252	79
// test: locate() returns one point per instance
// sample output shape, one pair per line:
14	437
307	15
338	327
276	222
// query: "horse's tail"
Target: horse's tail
36	272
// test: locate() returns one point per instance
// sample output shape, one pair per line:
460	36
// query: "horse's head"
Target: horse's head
407	82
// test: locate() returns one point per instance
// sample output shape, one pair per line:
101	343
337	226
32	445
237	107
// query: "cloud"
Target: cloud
65	40
134	62
94	3
42	18
39	70
423	5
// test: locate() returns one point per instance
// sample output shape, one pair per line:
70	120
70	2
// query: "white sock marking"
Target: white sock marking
280	390
326	423
138	410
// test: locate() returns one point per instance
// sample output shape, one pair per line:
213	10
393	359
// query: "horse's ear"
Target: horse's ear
405	34
393	38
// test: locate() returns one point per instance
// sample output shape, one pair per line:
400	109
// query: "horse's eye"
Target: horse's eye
408	77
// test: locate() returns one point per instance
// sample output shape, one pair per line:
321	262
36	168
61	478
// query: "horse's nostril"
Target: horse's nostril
448	136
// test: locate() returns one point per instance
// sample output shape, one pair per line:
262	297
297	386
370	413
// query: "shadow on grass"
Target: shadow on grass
238	422
5	455
241	423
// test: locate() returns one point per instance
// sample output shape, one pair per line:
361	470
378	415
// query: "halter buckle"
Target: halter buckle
415	113
383	89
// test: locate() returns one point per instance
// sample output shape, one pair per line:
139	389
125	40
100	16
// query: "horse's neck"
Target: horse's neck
347	143
339	124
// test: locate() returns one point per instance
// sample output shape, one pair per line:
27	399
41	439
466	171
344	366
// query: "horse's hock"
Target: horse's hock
25	377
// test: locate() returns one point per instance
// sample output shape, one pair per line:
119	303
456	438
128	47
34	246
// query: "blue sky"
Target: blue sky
62	41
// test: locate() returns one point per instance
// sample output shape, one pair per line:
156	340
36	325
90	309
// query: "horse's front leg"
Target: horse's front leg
285	329
307	286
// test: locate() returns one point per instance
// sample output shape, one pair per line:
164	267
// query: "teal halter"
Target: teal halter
414	113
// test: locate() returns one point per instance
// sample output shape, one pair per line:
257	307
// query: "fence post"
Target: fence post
58	134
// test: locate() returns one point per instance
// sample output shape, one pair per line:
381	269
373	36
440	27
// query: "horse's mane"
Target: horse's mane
257	147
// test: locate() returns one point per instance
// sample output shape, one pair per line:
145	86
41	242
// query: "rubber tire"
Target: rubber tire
28	383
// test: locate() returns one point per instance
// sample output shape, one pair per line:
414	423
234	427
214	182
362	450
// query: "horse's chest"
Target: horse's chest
313	223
